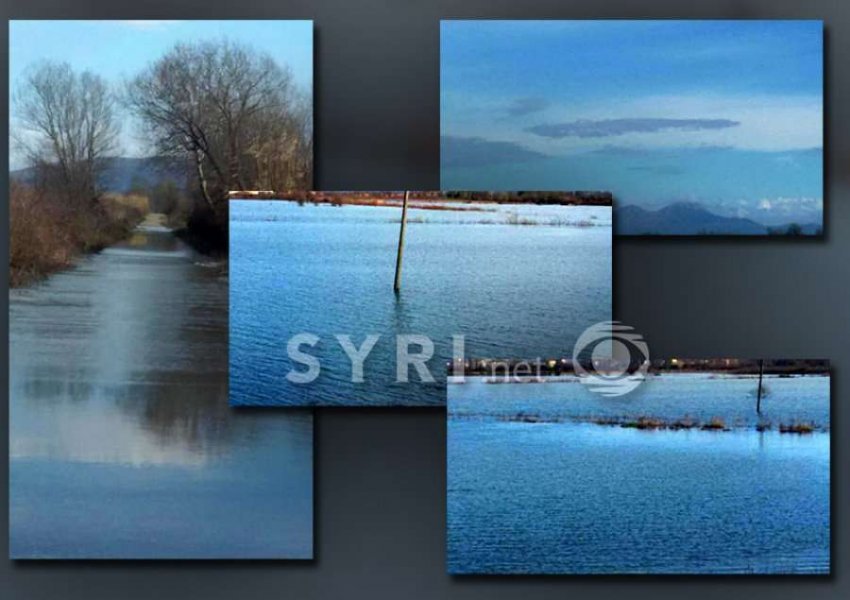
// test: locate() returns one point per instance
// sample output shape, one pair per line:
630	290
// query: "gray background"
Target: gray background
380	478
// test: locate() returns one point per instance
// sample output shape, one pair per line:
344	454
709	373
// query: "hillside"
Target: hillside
685	218
122	174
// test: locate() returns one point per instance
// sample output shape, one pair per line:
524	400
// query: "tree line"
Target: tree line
230	117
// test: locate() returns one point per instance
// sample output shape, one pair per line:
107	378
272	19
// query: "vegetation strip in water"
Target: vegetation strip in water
650	423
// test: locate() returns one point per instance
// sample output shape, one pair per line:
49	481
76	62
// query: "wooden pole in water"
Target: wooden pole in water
397	282
758	396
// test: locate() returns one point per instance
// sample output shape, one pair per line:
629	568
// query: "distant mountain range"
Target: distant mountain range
683	218
123	174
687	218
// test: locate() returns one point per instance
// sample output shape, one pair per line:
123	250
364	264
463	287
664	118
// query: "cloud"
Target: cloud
669	151
791	205
586	128
658	169
777	211
521	107
478	152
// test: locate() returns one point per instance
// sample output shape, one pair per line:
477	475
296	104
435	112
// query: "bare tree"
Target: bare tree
233	113
68	126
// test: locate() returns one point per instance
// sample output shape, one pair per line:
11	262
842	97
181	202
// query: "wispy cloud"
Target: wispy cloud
614	150
790	206
777	211
659	151
521	107
658	169
478	152
586	128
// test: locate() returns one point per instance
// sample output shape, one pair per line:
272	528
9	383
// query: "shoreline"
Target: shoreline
504	371
571	377
23	277
651	423
46	236
437	200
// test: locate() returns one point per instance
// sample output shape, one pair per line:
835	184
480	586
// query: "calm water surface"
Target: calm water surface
122	444
510	289
583	498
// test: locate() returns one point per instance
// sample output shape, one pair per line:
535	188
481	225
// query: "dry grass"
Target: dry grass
46	235
122	205
646	423
528	418
683	423
798	428
515	219
39	241
610	421
715	424
385	202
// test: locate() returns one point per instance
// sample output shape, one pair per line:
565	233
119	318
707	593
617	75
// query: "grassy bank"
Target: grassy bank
46	235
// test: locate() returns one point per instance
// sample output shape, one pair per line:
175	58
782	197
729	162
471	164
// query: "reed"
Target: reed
46	235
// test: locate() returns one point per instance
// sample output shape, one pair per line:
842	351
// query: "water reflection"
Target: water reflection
118	386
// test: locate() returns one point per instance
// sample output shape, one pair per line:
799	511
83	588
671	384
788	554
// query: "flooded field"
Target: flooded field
122	444
512	279
566	496
699	397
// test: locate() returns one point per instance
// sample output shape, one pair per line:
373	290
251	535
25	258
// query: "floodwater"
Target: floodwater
122	444
581	498
509	289
672	396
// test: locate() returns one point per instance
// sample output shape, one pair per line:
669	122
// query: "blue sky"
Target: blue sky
726	113
117	50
